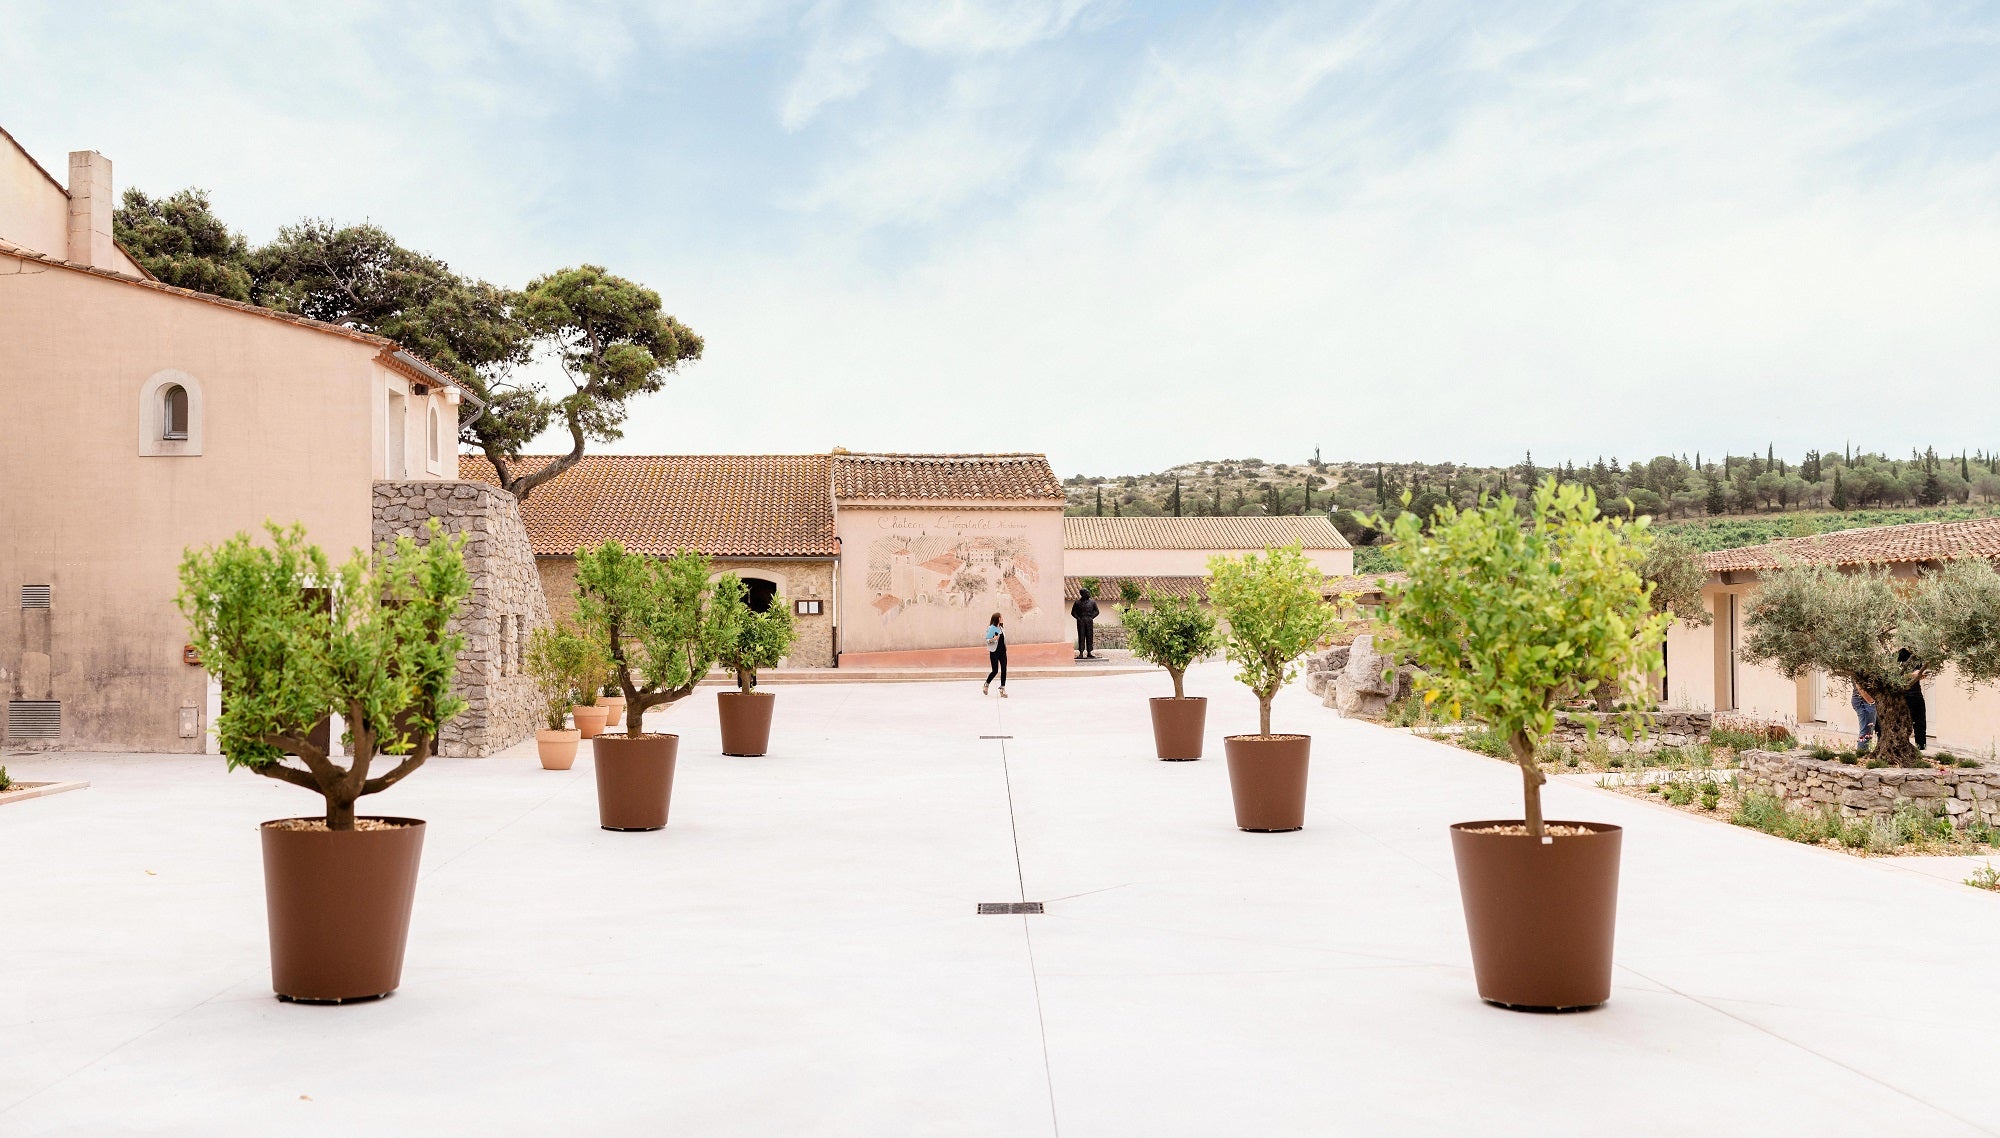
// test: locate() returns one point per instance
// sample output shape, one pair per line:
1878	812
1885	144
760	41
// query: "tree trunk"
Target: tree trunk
1602	693
1531	780
744	679
1895	730
1176	674
1263	713
339	812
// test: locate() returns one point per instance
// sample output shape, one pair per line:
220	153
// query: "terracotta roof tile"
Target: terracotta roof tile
1309	531
945	476
723	505
1873	545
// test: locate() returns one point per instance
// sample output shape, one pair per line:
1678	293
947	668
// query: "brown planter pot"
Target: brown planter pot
746	722
614	706
589	719
557	748
1267	778
635	780
1177	726
339	909
1540	915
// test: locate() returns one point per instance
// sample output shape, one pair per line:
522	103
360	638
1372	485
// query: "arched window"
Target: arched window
174	414
434	434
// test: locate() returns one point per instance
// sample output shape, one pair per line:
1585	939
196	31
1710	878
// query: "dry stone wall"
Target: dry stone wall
505	606
1964	794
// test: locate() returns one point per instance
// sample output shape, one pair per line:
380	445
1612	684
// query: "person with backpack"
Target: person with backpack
996	651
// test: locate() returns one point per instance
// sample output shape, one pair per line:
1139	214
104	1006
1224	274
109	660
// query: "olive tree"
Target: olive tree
1507	614
1276	614
654	620
746	639
293	642
1854	624
1173	633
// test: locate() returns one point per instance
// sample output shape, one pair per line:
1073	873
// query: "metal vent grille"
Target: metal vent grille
1008	908
34	596
34	719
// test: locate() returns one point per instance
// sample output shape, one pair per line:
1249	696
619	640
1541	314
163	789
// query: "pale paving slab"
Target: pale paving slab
797	954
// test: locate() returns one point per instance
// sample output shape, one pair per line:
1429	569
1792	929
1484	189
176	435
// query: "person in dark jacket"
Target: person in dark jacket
1913	696
1085	612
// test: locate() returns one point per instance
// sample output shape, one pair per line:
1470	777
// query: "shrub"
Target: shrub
1505	619
1711	794
1173	634
6	781
1678	791
568	668
654	621
1275	613
291	641
747	640
1985	877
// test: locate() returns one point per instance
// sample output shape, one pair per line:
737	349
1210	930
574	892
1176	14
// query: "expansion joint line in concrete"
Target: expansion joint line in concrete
1027	930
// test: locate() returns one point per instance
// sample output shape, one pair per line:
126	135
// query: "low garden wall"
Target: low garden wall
1964	794
1663	729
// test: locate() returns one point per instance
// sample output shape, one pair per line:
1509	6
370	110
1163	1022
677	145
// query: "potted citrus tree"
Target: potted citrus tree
1506	615
653	620
565	664
1173	633
747	640
1276	612
293	642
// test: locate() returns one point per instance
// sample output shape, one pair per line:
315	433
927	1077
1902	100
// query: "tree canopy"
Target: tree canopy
747	640
610	335
1504	618
653	618
1173	633
1276	613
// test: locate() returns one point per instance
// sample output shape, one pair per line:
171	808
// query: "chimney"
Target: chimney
90	241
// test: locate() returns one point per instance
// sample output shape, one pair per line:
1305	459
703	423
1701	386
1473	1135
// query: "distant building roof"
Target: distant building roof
945	476
723	505
1310	531
1873	545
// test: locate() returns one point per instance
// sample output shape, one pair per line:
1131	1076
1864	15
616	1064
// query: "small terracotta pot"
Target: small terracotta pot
746	721
1541	915
1267	778
339	909
616	706
589	719
1177	726
635	780
557	748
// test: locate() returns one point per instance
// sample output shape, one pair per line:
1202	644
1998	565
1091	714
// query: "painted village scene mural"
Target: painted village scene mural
934	579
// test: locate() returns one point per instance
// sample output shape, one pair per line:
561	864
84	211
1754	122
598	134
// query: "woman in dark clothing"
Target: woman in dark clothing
1914	697
996	650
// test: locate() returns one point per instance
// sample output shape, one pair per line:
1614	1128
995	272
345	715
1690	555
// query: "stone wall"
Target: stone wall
505	606
1663	729
796	580
1964	794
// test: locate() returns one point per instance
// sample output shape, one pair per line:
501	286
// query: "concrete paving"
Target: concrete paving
798	952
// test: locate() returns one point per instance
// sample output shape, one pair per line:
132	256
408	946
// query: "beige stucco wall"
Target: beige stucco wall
34	211
890	600
796	580
1180	562
290	423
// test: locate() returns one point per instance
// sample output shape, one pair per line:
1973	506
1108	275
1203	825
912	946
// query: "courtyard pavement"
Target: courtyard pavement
798	952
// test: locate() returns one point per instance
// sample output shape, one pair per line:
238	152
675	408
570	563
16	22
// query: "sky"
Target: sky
1136	234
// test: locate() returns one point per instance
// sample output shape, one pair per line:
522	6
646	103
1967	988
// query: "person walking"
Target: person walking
1864	712
1085	612
996	651
1913	698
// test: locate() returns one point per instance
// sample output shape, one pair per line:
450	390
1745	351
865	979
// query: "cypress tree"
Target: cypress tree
1100	501
1839	491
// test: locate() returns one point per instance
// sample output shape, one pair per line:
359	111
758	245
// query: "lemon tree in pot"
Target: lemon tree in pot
1276	612
292	641
1172	633
1506	614
653	618
747	640
566	666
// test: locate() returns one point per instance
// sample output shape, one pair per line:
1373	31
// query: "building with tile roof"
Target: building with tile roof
1703	670
1166	547
143	419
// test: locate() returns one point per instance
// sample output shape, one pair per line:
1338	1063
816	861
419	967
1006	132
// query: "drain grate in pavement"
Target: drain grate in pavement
996	736
1008	908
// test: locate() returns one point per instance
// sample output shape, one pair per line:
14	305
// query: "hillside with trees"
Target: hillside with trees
1716	502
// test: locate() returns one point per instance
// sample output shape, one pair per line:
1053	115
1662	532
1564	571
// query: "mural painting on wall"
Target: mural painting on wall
910	577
